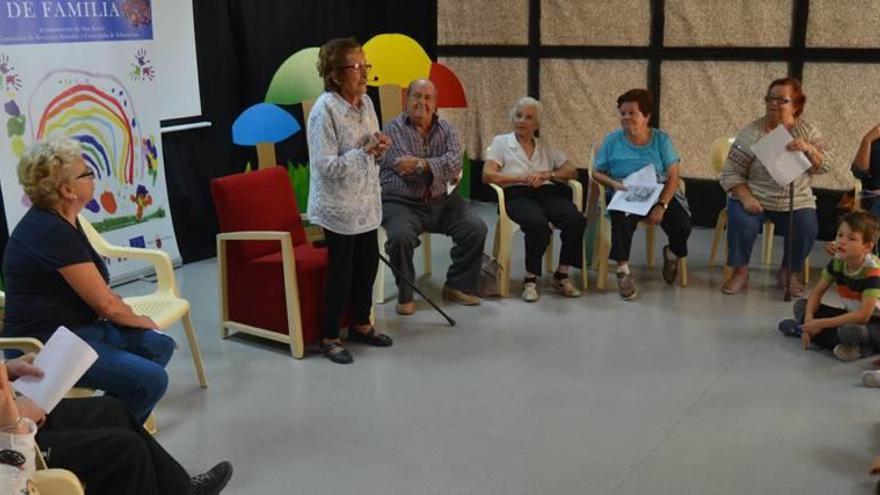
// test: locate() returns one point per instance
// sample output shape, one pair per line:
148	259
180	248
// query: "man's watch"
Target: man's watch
421	165
664	205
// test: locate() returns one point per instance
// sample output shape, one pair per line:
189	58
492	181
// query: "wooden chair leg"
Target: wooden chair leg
602	250
769	232
194	349
649	240
720	227
683	272
426	252
807	270
503	235
150	425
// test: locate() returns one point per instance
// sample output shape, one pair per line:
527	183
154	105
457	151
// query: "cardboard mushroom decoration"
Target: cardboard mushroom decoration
262	125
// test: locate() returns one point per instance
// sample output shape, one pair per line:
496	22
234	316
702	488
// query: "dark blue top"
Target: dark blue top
38	299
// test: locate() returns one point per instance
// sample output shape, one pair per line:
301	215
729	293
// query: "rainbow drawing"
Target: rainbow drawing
99	121
97	110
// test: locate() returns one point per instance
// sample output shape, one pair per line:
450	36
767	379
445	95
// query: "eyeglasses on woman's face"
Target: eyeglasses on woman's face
88	174
779	100
358	67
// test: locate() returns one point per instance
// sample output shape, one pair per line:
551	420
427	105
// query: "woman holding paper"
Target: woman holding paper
54	278
628	151
97	439
755	197
533	175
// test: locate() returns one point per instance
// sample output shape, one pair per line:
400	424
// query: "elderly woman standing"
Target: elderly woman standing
344	193
54	277
533	175
628	150
754	197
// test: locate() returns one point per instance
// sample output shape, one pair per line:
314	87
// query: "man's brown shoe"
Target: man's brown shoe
405	309
463	298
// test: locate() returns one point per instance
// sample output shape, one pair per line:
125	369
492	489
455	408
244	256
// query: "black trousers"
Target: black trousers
534	209
351	270
405	219
827	338
676	223
98	440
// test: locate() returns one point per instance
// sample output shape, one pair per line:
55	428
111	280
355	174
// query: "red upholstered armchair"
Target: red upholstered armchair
271	278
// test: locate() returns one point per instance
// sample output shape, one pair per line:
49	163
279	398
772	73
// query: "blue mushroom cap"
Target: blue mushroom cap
263	123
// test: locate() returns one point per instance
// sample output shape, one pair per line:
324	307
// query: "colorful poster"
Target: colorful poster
34	22
101	93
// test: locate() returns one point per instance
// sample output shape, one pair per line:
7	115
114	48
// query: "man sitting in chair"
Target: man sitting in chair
419	174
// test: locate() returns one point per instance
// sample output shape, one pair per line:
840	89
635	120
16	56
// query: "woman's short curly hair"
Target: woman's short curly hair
527	101
45	166
643	98
331	58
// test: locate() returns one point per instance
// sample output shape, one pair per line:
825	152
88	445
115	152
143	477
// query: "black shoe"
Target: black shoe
371	337
336	353
670	266
213	481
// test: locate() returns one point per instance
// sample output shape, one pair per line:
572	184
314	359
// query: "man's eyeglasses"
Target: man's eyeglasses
358	67
88	174
777	99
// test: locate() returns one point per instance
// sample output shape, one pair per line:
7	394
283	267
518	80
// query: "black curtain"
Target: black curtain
240	44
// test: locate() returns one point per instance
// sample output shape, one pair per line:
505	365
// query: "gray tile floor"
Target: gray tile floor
684	391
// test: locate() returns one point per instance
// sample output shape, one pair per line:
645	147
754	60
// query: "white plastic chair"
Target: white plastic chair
505	228
603	239
382	237
379	283
164	305
717	155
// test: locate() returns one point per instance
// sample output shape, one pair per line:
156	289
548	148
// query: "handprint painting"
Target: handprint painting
98	111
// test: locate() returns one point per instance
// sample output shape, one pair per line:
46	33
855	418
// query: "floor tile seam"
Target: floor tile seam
680	420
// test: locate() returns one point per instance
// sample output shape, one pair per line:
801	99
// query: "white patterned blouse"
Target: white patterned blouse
344	192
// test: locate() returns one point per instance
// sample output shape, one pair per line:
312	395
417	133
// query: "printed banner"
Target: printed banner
101	93
23	22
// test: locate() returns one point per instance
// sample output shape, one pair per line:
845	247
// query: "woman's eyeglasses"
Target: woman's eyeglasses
88	174
779	100
358	67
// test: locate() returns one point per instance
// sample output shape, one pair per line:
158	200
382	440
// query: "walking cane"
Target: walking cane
788	240
416	289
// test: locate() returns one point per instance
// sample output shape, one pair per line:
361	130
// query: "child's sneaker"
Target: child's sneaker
871	378
847	352
790	327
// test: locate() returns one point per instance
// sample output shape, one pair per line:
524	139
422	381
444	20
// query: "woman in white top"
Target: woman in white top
533	176
344	193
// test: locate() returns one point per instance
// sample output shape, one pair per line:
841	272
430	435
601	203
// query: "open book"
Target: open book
642	192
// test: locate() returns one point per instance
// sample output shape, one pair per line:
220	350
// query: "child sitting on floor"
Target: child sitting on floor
851	332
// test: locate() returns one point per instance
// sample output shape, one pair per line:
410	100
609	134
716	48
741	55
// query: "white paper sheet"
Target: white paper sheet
642	192
783	165
64	360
